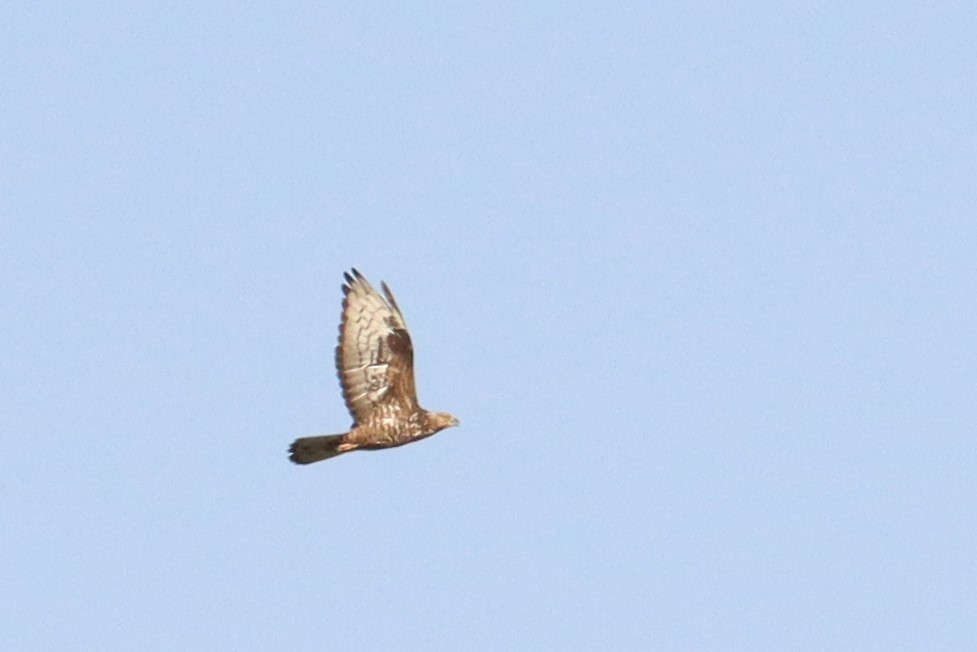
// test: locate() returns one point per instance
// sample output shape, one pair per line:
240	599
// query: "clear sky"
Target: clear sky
697	278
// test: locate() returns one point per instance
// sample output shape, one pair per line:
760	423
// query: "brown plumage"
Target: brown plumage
375	361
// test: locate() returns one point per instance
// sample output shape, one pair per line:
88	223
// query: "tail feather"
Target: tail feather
315	449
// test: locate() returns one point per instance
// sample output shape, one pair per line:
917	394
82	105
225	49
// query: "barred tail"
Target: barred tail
315	449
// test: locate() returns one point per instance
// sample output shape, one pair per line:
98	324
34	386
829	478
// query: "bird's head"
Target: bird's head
435	421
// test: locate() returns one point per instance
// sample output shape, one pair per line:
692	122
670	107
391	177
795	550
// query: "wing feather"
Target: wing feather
375	357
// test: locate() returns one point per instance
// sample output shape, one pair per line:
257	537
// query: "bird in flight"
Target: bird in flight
375	363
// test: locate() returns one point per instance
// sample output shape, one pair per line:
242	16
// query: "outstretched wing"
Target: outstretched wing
375	358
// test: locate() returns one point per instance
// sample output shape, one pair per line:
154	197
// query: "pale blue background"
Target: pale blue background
698	279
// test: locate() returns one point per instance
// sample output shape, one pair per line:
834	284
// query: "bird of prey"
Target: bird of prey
375	362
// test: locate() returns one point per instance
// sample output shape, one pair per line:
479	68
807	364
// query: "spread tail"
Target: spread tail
315	449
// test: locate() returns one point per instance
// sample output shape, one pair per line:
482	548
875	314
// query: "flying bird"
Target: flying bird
375	363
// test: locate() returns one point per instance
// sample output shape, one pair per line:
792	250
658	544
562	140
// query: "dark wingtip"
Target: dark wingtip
390	296
348	285
354	276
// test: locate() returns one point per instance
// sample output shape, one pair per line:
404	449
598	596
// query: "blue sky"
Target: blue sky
698	279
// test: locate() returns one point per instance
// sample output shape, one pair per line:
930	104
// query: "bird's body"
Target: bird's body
375	362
